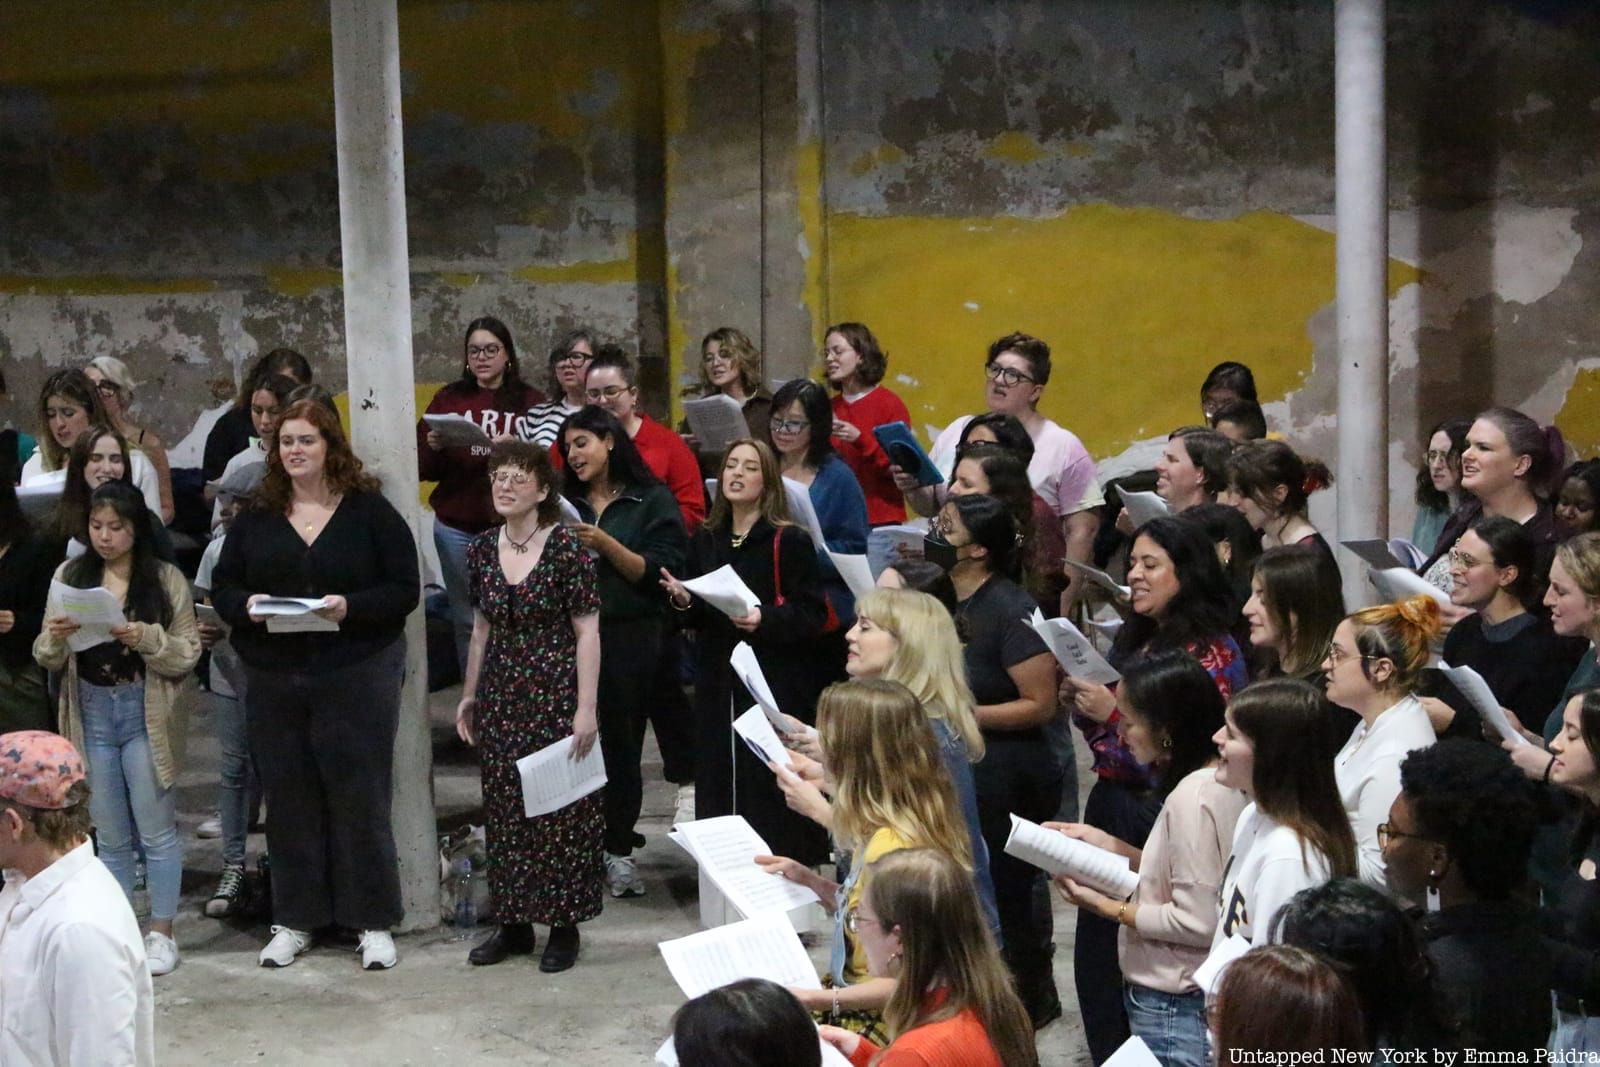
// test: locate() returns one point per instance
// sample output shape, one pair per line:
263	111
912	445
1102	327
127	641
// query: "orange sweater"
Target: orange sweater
959	1041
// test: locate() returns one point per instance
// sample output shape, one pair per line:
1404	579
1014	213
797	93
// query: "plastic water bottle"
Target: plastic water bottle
466	909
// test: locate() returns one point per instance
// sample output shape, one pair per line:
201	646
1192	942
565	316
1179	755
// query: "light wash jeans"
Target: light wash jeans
1172	1024
125	796
234	795
452	545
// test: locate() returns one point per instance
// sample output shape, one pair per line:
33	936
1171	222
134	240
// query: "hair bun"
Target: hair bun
1422	612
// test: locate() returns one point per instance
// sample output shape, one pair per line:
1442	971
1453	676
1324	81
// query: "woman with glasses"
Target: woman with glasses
114	386
730	365
569	369
532	676
68	405
612	383
854	365
800	437
1373	668
1439	481
490	392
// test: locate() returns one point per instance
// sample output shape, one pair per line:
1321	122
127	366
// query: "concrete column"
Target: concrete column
1362	231
377	319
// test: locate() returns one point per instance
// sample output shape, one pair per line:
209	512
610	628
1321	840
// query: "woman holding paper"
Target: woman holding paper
125	701
952	1005
68	405
322	708
1517	653
490	392
855	364
98	456
1169	711
750	531
1374	666
633	527
532	672
891	791
730	366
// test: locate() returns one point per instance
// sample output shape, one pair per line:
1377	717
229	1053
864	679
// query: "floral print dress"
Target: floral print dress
547	869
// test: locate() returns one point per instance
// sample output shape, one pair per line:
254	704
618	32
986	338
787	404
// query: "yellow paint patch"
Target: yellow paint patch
882	156
298	281
598	272
458	281
1579	417
1078	150
1015	147
100	285
1137	305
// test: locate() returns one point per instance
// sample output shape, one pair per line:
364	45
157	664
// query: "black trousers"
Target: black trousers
630	655
324	745
1019	773
1128	813
669	712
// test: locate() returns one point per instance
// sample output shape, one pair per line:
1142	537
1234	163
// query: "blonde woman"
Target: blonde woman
730	364
891	791
115	386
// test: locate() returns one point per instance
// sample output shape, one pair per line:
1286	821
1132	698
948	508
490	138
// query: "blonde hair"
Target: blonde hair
1402	632
885	761
746	357
927	659
945	942
1580	558
774	502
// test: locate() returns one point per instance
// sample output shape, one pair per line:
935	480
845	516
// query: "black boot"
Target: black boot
561	951
511	939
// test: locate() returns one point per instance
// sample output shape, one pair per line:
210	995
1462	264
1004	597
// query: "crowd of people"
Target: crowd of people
1405	866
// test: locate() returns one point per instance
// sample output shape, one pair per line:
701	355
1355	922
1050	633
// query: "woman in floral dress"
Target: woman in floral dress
532	671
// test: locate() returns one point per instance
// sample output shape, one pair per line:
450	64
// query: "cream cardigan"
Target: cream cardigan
170	690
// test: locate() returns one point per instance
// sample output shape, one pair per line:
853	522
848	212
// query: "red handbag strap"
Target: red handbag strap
777	573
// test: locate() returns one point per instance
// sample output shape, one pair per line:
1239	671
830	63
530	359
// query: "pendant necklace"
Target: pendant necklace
520	547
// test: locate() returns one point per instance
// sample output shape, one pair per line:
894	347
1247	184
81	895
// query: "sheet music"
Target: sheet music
716	422
1397	583
748	669
757	731
1133	1053
1472	686
287	605
855	570
1095	576
724	590
763	947
726	848
1143	506
38	496
1376	554
207	615
1407	553
801	509
1209	974
457	431
885	542
1059	854
1075	652
552	779
95	611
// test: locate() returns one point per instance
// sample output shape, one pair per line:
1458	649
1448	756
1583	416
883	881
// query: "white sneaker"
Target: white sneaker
622	874
377	950
683	808
285	945
212	827
161	953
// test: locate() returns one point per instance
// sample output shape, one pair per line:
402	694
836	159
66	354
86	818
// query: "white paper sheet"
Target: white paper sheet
1376	554
1472	686
1098	577
569	512
1074	651
725	848
884	544
1143	506
1407	553
95	611
748	668
1209	974
763	947
855	570
38	496
300	624
716	422
724	590
802	511
1397	583
457	431
1132	1053
552	779
1057	853
287	605
757	731
207	615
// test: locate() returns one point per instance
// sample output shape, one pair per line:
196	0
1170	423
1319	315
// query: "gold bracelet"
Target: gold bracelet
836	1004
1121	912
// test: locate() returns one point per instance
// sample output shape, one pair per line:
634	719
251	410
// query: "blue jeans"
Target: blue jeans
125	796
452	545
1172	1024
235	796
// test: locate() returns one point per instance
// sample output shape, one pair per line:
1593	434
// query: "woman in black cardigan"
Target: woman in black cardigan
749	529
322	708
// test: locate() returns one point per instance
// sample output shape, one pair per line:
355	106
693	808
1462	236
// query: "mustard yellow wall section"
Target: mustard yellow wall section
1579	417
1136	303
424	396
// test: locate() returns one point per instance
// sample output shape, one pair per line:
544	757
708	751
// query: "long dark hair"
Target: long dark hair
625	466
509	396
819	413
284	361
1203	608
1009	434
749	1023
1427	496
147	600
1175	694
72	511
990	525
1304	598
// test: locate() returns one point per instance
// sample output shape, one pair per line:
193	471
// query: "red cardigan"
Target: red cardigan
866	458
959	1041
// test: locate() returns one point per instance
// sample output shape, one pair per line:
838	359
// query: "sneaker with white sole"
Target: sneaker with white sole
622	874
232	892
377	950
285	945
212	827
160	953
683	807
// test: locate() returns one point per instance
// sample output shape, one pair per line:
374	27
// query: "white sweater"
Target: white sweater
1268	866
1368	771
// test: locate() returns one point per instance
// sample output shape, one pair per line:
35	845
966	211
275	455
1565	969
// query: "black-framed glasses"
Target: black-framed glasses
1387	833
789	425
574	357
490	350
1005	375
106	388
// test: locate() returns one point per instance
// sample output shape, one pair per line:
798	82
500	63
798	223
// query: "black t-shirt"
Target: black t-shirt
994	629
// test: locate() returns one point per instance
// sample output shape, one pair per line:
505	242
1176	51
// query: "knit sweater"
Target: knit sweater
866	457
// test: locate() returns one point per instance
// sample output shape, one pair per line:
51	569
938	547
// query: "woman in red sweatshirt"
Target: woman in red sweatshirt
492	394
854	365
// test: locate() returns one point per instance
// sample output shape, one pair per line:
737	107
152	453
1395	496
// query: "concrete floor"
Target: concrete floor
614	1007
